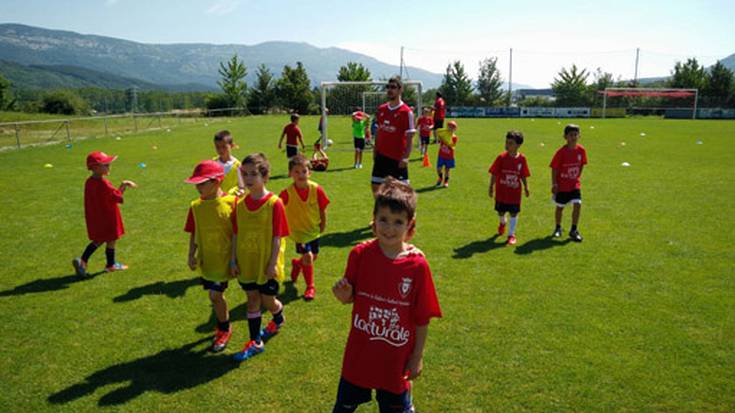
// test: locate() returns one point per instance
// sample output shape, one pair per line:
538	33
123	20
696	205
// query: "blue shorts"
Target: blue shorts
311	246
447	163
350	396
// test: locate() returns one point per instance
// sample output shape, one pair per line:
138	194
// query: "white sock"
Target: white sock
513	222
502	219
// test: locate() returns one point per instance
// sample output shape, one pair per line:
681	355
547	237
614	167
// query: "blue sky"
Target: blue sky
545	35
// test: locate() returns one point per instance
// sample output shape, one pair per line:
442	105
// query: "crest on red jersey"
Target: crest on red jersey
404	287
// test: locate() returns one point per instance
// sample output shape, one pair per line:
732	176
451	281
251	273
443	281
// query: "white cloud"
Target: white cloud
223	7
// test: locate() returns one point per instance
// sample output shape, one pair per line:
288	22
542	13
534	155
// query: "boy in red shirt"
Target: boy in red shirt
509	170
425	124
566	169
293	135
104	223
389	284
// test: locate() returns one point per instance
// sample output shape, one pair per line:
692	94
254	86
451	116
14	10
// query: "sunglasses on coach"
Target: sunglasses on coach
391	86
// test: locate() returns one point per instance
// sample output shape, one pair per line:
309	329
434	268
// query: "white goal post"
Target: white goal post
325	86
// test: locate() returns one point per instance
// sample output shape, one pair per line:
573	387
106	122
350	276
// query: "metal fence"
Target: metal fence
40	132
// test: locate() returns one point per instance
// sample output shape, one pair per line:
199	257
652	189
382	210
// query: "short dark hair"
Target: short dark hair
294	117
298	160
397	196
438	94
516	135
571	128
397	80
223	135
260	162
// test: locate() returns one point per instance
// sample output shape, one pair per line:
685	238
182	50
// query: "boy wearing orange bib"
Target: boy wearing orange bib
306	205
257	256
210	244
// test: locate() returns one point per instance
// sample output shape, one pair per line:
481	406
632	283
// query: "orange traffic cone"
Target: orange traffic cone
426	163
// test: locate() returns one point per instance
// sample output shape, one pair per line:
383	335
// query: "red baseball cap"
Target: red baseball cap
204	171
99	158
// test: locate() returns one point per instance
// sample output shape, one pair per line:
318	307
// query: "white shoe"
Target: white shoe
359	166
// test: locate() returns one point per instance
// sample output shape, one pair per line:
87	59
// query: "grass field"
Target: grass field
640	317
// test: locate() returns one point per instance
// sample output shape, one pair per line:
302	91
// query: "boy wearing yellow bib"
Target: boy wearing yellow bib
258	251
306	205
223	144
210	245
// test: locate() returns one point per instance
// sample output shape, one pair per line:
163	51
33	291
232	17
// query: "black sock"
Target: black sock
278	317
558	226
254	327
446	179
110	254
91	248
574	227
441	176
223	325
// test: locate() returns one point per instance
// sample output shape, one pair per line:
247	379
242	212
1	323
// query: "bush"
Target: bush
63	102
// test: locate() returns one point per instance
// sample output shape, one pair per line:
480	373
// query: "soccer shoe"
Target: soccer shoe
270	330
250	350
221	338
116	267
574	235
511	240
439	183
309	293
446	184
501	228
80	267
295	269
557	232
359	166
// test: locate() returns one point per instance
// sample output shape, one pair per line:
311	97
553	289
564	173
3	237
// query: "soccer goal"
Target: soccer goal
650	100
343	98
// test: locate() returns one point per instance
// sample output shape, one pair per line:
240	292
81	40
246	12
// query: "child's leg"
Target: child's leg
356	154
557	216
220	309
441	176
359	157
110	253
271	303
513	222
393	403
501	216
91	248
309	259
349	396
576	209
446	174
254	316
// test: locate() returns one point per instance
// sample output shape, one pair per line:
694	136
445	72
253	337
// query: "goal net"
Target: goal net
651	101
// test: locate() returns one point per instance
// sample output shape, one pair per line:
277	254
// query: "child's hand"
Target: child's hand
270	271
130	184
527	193
414	367
192	262
490	192
234	269
554	188
322	226
342	290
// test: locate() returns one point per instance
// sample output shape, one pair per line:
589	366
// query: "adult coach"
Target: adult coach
440	110
394	137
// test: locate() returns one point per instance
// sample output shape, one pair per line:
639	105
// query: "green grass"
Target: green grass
640	317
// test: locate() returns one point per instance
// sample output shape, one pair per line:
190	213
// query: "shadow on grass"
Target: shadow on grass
478	247
173	289
168	371
428	189
277	177
346	168
346	238
540	244
48	284
240	312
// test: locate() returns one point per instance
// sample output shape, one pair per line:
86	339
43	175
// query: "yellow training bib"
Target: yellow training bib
303	216
213	236
254	242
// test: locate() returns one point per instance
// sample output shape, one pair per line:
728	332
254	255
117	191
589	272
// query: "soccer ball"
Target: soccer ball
330	142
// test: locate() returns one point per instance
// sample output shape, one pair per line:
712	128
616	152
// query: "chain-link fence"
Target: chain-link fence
29	133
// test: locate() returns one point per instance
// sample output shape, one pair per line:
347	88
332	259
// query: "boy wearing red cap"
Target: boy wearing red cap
210	243
445	161
104	223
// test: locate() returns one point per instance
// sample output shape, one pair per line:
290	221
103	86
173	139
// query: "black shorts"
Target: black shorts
510	208
291	151
565	198
220	286
350	395
438	123
271	287
425	139
384	167
311	246
359	143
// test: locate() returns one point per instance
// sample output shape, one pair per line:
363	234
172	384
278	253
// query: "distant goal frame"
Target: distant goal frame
675	93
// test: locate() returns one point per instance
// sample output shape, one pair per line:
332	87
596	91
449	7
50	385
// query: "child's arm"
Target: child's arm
554	185
271	271
234	267
125	184
342	290
490	191
192	253
301	139
280	141
525	185
416	361
322	219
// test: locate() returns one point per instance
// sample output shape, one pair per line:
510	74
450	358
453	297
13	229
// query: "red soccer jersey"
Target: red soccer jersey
391	298
393	126
426	124
321	196
101	212
568	165
292	132
440	109
507	172
446	151
280	224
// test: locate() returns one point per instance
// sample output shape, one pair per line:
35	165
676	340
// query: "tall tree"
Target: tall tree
489	82
688	75
343	99
353	71
233	84
718	89
6	102
570	87
456	86
293	89
262	95
602	80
